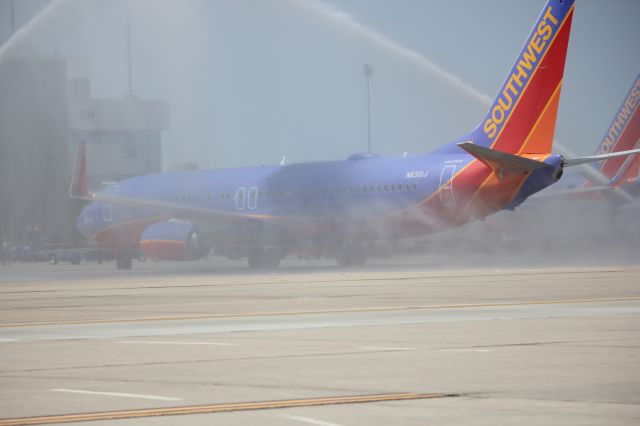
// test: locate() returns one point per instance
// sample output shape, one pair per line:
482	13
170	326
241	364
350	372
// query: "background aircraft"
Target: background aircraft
615	177
624	134
339	208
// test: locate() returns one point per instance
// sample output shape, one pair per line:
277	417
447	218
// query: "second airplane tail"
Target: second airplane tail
629	170
623	134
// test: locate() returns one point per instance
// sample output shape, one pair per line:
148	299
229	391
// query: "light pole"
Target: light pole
368	72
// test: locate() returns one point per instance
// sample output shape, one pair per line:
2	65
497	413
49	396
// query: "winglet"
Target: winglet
78	187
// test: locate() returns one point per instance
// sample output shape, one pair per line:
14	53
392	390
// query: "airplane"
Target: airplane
337	209
623	134
614	177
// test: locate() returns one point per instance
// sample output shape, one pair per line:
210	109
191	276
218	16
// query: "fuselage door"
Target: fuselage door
252	198
241	194
446	186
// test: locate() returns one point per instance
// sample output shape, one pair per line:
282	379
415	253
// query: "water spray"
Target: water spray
336	17
45	14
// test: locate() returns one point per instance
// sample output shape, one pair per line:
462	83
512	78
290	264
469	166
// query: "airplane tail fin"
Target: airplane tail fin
522	118
78	187
628	171
623	134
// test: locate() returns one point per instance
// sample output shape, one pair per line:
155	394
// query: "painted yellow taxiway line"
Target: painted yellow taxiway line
316	312
217	408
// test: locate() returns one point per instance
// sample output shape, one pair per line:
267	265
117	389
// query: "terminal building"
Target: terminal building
44	115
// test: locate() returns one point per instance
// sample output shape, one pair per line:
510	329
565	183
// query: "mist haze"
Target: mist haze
251	81
193	231
248	82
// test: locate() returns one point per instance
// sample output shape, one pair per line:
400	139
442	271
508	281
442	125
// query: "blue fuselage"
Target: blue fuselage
363	194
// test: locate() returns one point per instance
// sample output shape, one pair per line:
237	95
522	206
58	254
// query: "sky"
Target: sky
251	81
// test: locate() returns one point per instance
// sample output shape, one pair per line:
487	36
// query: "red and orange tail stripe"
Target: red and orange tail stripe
522	118
623	133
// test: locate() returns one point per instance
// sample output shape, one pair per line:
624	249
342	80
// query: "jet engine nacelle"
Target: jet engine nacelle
173	240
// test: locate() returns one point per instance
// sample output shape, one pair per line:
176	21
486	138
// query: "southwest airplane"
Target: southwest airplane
338	208
624	134
618	174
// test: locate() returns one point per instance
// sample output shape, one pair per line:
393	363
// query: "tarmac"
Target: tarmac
203	343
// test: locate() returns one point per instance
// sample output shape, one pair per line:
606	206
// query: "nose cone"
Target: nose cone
85	223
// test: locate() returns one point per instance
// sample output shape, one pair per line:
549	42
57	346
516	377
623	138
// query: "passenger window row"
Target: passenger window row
379	189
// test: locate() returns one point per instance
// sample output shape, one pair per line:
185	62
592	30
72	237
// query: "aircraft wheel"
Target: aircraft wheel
123	261
271	259
264	259
351	255
255	259
359	258
344	259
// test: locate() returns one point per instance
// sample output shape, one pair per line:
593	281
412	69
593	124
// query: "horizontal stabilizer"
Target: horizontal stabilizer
601	157
502	163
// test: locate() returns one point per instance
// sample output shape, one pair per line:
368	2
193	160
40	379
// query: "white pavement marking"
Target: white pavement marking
142	342
8	340
466	350
383	348
126	395
310	421
121	331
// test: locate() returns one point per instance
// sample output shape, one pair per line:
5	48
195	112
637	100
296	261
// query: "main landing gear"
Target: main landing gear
264	258
352	255
123	259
